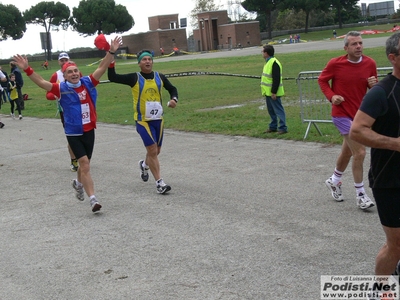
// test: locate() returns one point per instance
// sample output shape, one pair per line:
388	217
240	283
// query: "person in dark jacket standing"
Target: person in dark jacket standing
20	83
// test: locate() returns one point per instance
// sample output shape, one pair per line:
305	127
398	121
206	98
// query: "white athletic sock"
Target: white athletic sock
336	176
144	165
359	188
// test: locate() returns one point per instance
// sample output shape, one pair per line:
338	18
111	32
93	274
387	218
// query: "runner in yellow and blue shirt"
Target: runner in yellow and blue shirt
148	111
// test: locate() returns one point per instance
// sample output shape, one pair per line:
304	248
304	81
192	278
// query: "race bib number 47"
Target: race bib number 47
154	110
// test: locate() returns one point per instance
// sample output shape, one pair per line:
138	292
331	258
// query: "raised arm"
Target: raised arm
108	58
22	63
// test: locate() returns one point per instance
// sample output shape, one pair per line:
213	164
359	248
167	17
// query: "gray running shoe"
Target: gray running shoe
79	193
143	171
162	188
95	205
364	202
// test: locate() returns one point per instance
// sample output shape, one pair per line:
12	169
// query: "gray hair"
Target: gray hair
392	44
350	33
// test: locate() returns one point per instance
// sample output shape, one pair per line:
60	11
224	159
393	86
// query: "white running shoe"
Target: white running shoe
364	202
336	190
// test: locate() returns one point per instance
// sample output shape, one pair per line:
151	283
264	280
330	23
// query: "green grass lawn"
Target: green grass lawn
327	34
201	98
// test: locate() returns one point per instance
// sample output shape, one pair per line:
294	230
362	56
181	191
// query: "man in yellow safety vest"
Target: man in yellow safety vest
272	89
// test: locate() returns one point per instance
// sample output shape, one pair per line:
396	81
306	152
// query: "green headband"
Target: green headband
143	55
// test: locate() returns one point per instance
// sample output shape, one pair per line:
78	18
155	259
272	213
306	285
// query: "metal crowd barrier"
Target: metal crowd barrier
314	107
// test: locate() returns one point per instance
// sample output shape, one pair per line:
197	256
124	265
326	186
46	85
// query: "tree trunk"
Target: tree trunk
307	18
48	45
269	24
339	14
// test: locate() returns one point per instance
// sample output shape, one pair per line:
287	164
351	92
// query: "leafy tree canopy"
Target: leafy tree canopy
48	14
306	6
341	6
12	24
264	8
100	16
202	6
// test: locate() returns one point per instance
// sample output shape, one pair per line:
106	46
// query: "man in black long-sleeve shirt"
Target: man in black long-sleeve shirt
148	111
20	82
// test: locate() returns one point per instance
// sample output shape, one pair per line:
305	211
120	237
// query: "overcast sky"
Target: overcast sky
139	9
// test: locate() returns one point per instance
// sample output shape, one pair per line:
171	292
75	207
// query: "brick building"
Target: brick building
164	32
214	32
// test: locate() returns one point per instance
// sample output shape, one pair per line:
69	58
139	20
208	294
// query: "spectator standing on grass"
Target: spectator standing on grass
19	84
77	96
272	89
344	82
58	77
146	88
14	97
376	125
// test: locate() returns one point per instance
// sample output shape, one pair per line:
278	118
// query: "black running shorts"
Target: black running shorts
82	145
388	204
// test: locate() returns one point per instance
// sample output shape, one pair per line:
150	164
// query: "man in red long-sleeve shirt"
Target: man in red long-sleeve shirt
344	82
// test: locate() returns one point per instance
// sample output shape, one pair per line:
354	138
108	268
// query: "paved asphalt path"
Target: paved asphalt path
245	219
283	48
